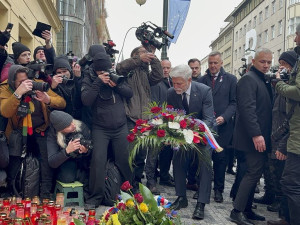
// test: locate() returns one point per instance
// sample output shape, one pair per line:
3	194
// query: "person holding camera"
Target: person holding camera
66	84
108	125
69	146
140	81
25	103
290	180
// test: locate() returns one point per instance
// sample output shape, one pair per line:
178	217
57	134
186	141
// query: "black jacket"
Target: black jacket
254	111
107	103
224	97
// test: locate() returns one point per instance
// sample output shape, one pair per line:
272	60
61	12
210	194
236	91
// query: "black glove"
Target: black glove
4	37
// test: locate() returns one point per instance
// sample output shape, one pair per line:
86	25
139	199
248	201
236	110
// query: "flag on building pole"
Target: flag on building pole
178	10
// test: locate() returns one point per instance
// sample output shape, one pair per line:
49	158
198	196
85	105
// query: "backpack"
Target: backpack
112	183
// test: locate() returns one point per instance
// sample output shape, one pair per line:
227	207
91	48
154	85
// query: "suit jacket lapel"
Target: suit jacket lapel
218	83
193	99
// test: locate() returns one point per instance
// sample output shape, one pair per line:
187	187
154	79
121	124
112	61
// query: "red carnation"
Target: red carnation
161	133
201	128
182	124
196	138
107	216
170	107
155	109
130	137
139	122
121	206
126	186
138	197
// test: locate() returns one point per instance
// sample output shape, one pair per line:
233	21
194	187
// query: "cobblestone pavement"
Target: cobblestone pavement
215	213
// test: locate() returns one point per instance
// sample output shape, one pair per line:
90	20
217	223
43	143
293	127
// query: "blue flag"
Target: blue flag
178	10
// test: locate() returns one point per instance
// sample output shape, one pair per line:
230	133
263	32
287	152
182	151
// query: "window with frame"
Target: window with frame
280	4
245	29
266	36
236	35
266	12
273	7
273	31
254	21
240	52
260	17
241	33
280	27
293	24
249	25
235	54
259	40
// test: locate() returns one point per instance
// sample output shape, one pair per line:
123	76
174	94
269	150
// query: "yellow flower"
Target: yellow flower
129	203
109	222
115	220
143	207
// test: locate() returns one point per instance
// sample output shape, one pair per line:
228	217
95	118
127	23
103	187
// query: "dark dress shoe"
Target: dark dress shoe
251	215
239	218
192	187
180	202
199	211
218	196
277	222
87	207
196	195
274	207
231	172
168	183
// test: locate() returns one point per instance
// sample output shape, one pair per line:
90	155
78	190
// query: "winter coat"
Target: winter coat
9	105
107	103
292	92
140	83
254	111
57	143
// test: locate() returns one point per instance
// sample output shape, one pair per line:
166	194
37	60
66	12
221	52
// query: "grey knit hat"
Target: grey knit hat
60	120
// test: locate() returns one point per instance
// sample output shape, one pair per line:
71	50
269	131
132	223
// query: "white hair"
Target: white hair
298	28
183	71
264	50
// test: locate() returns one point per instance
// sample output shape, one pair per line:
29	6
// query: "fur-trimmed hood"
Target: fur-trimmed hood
61	138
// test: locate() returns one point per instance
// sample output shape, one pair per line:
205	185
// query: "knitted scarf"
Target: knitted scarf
27	122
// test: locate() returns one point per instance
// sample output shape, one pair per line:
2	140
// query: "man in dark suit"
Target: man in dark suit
252	132
223	86
194	98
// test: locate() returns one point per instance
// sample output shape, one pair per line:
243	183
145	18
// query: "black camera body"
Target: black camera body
147	37
37	69
117	79
86	143
284	75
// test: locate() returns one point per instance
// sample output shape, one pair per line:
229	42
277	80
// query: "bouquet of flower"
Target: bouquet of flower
169	126
141	208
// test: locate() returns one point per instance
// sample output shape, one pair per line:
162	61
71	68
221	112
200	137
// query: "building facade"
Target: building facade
223	44
24	15
84	23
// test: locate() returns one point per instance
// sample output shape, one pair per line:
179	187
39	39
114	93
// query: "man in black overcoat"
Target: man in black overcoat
252	132
223	86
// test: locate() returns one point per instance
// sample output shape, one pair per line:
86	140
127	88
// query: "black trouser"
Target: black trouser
230	158
37	144
255	165
291	186
181	161
139	161
101	139
269	182
219	166
165	159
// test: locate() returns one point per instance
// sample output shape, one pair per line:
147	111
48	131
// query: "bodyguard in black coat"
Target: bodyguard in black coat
224	96
252	132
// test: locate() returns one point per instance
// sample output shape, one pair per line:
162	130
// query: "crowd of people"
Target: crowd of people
64	120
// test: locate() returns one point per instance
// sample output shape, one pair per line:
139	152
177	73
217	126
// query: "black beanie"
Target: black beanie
60	120
102	62
18	48
36	50
290	57
61	62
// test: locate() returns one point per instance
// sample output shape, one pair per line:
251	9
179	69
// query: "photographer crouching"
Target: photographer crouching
25	103
105	96
291	174
68	145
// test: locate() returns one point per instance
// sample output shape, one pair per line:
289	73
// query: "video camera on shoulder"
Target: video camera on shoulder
271	76
147	34
37	69
109	48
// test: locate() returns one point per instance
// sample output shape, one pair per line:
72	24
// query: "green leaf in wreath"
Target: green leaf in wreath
148	197
78	222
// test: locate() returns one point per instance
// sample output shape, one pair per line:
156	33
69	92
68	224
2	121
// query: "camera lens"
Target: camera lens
40	86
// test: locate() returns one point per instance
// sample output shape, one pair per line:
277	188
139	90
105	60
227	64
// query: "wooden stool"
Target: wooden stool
75	189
